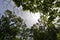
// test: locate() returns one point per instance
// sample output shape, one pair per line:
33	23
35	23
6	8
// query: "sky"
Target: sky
28	17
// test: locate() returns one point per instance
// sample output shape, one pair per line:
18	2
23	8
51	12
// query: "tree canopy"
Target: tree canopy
12	27
43	6
48	8
49	11
47	28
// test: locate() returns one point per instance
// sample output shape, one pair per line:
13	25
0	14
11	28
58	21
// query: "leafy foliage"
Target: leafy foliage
43	32
43	6
11	26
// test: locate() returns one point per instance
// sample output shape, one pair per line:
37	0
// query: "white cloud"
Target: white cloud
29	18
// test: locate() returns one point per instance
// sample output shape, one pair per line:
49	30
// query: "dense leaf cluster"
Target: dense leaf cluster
43	6
11	27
